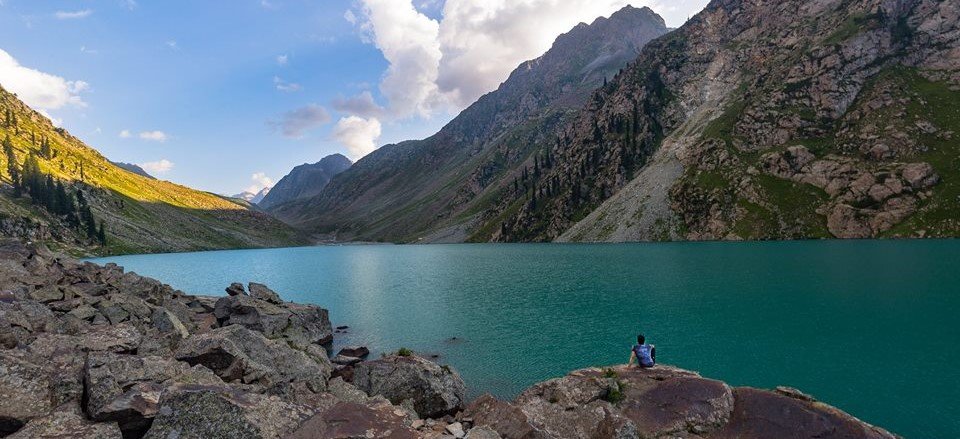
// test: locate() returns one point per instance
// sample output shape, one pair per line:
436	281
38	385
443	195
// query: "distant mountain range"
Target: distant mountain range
755	120
253	198
305	181
139	213
444	185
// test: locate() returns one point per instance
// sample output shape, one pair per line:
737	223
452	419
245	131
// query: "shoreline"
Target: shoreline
94	351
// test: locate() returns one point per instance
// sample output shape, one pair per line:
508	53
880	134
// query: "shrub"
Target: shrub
404	352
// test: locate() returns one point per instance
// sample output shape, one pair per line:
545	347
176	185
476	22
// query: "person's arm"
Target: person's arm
633	356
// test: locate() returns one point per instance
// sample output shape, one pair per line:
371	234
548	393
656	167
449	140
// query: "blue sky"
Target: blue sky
226	95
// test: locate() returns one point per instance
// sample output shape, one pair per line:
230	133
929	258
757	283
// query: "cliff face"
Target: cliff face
402	192
305	181
763	120
96	352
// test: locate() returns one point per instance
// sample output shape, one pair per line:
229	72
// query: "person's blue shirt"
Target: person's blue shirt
645	355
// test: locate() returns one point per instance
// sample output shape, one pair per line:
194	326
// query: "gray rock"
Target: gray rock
300	324
236	353
66	422
165	321
24	392
236	289
355	420
433	390
206	412
482	432
456	429
126	388
260	291
344	360
355	351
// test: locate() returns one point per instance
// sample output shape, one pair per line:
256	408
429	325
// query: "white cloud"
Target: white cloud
359	135
350	17
448	64
73	15
38	89
125	134
267	4
89	51
129	4
260	182
154	136
172	44
158	167
410	42
282	60
284	86
362	105
295	124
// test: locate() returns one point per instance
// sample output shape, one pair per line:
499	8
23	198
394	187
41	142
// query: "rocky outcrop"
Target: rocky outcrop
171	365
305	181
661	402
431	389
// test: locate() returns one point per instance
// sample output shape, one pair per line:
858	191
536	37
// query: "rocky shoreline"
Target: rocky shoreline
91	351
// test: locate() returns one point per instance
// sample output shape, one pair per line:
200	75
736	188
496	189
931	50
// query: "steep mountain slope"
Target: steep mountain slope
442	184
305	181
140	214
763	120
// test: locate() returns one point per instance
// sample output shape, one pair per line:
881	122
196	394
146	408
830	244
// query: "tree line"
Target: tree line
51	194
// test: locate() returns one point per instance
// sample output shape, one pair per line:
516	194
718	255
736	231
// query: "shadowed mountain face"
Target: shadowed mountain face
763	120
400	192
305	181
139	213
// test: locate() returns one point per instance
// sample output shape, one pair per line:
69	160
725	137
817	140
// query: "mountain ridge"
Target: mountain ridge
402	191
305	181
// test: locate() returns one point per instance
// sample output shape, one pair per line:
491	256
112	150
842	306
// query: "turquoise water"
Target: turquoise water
868	326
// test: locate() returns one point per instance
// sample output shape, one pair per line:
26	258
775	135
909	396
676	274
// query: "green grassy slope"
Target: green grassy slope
141	214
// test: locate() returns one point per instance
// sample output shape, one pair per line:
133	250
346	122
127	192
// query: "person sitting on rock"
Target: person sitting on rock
645	354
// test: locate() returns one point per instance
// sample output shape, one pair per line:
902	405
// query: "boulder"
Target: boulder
503	417
300	324
433	390
355	351
762	414
236	289
344	360
66	422
354	420
236	353
126	388
483	432
260	291
192	411
165	321
24	392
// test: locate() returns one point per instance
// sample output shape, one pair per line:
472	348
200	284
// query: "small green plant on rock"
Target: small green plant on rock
404	352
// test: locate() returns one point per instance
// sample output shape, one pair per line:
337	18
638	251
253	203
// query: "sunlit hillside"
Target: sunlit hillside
140	214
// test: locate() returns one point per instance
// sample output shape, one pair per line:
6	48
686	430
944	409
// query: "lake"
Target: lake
868	326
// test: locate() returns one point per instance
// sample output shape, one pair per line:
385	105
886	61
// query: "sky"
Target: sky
230	95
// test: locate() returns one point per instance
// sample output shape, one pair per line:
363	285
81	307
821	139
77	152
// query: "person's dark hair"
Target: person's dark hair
641	339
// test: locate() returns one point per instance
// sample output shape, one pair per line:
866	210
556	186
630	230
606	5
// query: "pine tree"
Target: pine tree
12	167
45	151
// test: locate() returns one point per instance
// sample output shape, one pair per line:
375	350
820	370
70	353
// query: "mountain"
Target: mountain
764	120
754	120
138	214
253	198
438	188
305	181
136	169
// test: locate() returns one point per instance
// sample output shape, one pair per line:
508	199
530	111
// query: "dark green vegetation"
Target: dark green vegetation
55	189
